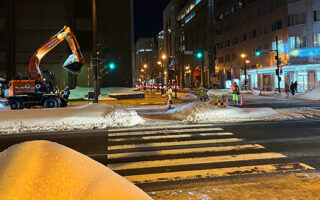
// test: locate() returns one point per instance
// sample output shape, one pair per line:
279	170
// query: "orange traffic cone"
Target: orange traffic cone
241	101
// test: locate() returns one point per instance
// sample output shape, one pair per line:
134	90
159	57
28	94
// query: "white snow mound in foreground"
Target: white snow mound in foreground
46	170
204	112
90	116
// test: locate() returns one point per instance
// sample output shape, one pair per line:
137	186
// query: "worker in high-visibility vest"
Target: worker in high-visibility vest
169	95
202	92
236	93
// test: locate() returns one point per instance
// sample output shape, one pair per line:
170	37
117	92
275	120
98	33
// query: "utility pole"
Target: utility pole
175	77
95	55
278	64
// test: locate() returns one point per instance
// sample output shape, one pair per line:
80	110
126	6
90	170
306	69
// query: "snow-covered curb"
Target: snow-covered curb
90	116
206	113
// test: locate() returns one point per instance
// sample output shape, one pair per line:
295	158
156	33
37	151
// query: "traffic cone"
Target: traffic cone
241	101
168	104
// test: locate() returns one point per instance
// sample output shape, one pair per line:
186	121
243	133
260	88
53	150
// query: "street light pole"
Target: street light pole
278	65
95	55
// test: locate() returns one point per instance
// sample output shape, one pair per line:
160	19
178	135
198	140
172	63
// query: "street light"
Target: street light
163	58
243	55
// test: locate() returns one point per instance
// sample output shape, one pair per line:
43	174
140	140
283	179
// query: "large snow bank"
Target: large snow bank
90	116
46	170
80	93
204	112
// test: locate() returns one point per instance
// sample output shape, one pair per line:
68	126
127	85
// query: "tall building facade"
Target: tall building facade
26	25
247	27
188	30
146	60
242	28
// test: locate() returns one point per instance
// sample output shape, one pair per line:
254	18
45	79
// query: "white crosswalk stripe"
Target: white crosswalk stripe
137	153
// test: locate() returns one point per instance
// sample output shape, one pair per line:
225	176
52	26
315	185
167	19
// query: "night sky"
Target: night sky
148	17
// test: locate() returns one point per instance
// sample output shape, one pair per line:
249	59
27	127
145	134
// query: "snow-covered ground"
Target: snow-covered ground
312	95
90	116
186	96
46	170
206	113
80	93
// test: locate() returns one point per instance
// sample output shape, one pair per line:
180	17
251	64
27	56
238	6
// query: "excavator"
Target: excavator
38	90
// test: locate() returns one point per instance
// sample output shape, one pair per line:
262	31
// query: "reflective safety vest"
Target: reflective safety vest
170	94
202	91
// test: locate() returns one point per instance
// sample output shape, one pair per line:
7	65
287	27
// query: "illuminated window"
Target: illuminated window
297	42
317	39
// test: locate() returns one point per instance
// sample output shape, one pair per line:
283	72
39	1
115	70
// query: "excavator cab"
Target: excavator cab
73	64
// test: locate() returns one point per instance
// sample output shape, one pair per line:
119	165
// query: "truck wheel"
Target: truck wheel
15	104
51	102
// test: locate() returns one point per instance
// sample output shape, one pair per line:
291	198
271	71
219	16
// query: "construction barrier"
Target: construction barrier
218	98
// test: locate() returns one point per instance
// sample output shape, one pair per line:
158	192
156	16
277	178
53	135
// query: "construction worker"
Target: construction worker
169	95
202	92
236	93
65	93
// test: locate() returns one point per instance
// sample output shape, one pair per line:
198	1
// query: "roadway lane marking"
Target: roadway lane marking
184	151
178	126
188	161
154	132
167	144
218	172
169	136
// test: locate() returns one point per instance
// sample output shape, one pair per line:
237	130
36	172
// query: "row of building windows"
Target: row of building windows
276	25
295	42
247	17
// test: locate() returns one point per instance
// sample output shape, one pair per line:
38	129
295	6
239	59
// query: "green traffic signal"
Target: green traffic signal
199	55
112	66
258	52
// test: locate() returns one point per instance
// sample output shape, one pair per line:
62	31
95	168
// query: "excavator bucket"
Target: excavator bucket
73	64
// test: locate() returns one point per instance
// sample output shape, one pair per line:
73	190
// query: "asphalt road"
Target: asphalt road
161	153
251	101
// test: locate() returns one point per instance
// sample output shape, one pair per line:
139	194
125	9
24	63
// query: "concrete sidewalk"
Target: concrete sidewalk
293	186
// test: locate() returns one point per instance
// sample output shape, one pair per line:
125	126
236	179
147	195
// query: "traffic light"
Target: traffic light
109	65
112	66
199	55
258	52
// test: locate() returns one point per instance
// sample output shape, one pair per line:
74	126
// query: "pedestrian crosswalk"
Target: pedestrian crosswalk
189	152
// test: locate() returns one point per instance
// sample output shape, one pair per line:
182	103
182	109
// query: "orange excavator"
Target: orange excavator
36	90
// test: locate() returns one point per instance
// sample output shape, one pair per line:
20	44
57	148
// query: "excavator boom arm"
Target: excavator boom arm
73	63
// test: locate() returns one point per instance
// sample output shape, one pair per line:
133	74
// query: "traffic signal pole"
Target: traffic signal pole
95	55
278	65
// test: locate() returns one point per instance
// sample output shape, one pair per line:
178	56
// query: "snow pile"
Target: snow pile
90	116
204	112
81	93
312	95
46	170
212	93
187	96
